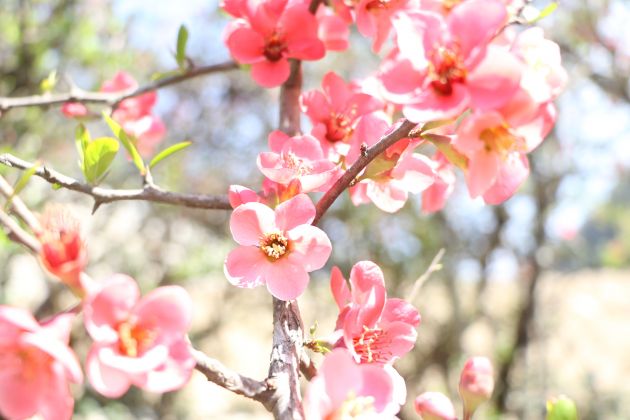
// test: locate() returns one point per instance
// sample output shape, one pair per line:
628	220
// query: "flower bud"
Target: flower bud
476	384
63	251
434	406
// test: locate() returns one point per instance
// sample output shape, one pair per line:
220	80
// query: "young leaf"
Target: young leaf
546	11
182	40
126	141
169	151
21	183
443	144
99	155
48	84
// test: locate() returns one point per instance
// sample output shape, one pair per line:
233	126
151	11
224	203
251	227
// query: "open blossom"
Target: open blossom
444	65
335	112
374	18
138	341
496	144
375	329
278	247
476	383
333	30
388	179
63	252
434	406
268	34
344	390
36	366
298	158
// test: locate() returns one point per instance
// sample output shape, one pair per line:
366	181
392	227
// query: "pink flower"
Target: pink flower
298	158
434	198
36	365
138	341
74	110
496	143
63	252
445	65
434	406
391	176
375	329
374	18
278	248
343	390
333	30
267	35
476	383
336	112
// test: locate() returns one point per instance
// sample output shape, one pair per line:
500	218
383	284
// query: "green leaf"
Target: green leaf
21	183
546	11
163	75
126	142
169	151
378	167
49	83
435	124
99	155
81	140
443	144
561	408
182	40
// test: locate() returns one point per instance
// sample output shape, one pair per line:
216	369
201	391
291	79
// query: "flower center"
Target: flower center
499	140
338	127
133	339
447	68
274	245
60	246
296	164
376	5
354	407
372	346
449	4
275	47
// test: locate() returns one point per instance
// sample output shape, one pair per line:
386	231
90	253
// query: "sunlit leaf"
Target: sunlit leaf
561	408
126	142
182	40
169	151
49	83
99	155
21	183
443	144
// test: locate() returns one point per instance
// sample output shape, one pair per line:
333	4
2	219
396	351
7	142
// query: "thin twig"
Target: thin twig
100	195
18	207
364	159
17	234
111	98
433	267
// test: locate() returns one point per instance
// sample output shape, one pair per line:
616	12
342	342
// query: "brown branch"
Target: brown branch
149	192
216	372
17	234
114	98
364	159
18	207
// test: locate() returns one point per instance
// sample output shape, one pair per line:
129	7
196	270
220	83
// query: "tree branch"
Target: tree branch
216	372
100	195
111	98
18	207
17	234
353	171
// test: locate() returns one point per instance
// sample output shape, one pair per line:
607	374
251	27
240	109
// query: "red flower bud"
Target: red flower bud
476	384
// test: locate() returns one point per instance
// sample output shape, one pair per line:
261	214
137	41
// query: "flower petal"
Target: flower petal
250	221
244	267
299	210
285	280
310	247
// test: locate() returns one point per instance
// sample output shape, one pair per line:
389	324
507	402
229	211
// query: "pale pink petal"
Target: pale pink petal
306	147
431	106
120	82
468	140
173	374
341	375
152	358
245	44
315	105
377	383
59	326
271	166
495	80
310	247
17	397
339	288
512	174
285	280
333	31
271	74
299	210
13	321
56	401
167	309
276	140
400	310
483	168
435	406
244	266
411	30
250	221
414	173
107	381
103	311
387	196
474	23
401	337
58	350
401	81
336	90
240	195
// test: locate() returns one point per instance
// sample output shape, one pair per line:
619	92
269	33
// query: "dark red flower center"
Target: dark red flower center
447	68
372	346
275	47
338	127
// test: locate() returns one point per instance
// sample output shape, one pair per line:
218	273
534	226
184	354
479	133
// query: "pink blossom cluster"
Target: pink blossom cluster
479	88
135	115
139	341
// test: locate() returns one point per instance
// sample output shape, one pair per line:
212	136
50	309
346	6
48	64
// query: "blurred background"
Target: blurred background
540	284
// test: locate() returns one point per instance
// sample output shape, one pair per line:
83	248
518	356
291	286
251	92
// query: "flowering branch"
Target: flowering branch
18	207
149	192
367	156
111	98
17	234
